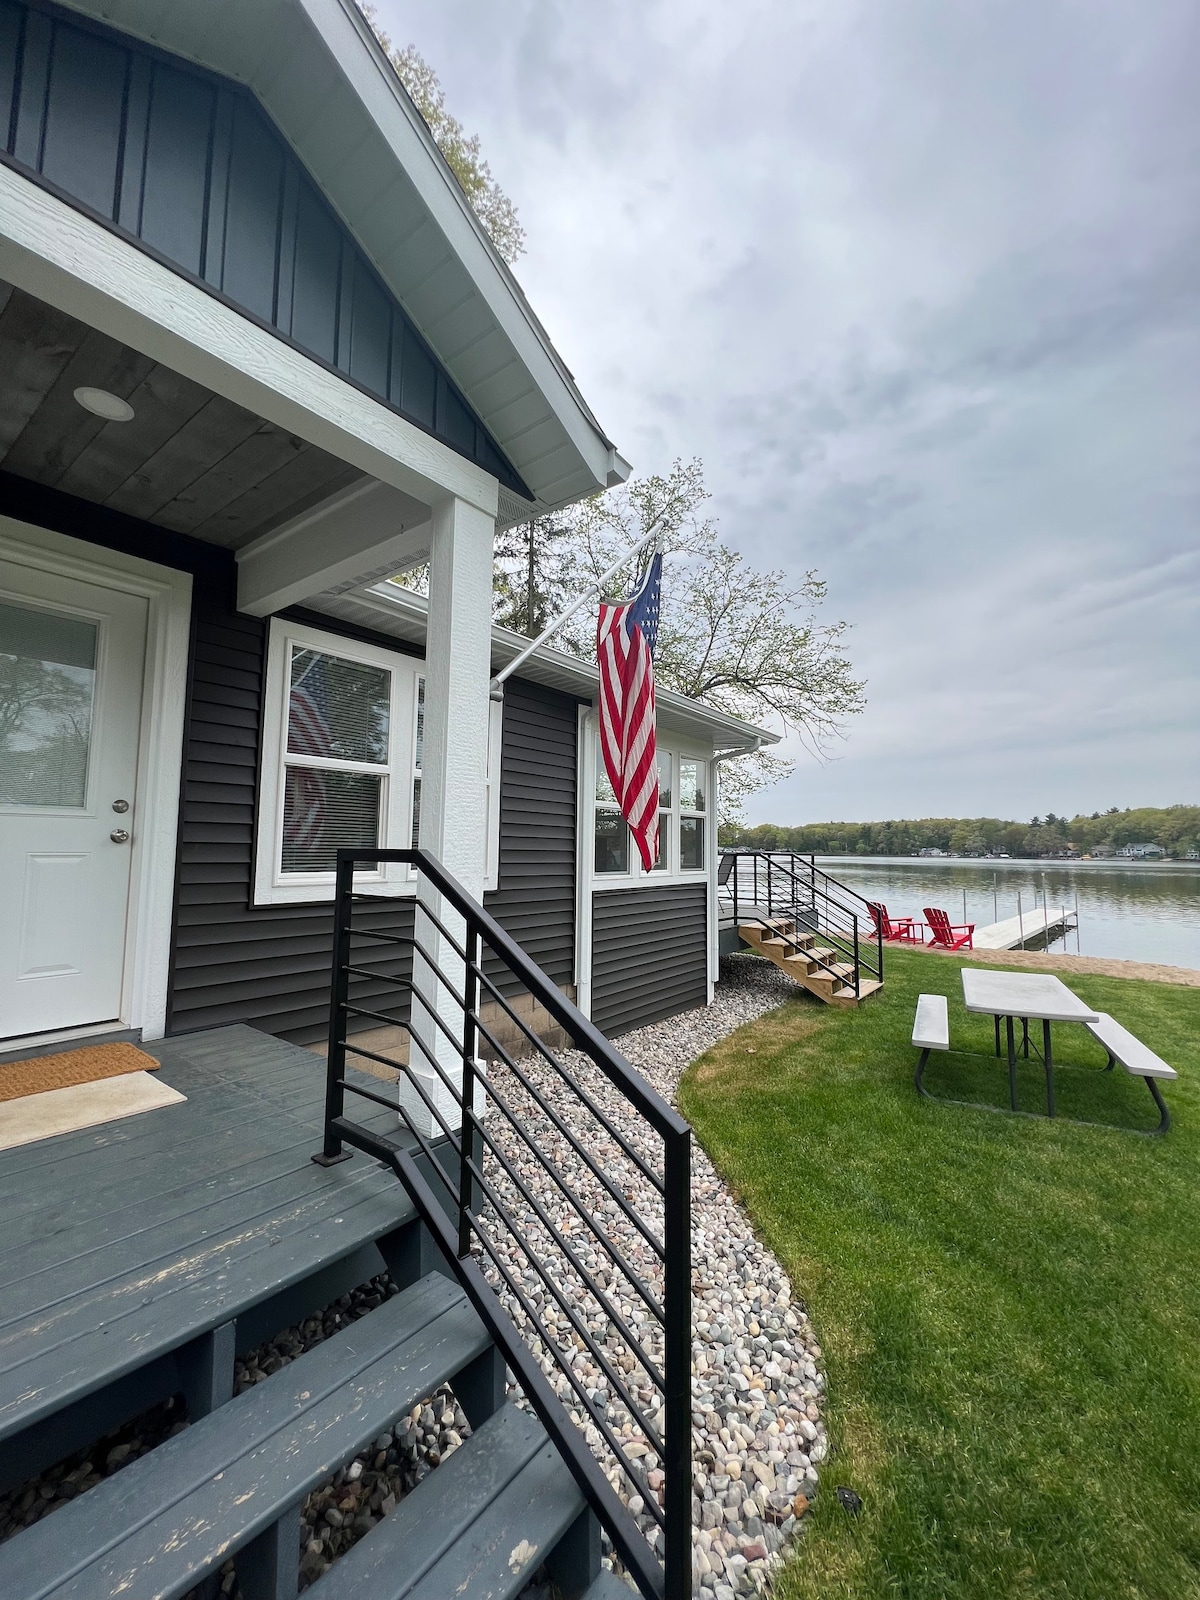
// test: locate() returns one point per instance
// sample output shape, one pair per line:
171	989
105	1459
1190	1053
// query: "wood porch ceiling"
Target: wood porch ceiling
189	460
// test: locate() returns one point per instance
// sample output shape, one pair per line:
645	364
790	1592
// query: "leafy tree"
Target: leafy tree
462	151
1175	828
528	586
746	642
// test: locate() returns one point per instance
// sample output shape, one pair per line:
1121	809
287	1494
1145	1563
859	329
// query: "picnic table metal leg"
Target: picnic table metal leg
1025	1035
1048	1060
919	1076
996	1020
1012	1065
1164	1121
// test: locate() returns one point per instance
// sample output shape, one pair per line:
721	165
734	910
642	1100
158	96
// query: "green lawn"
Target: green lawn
1009	1308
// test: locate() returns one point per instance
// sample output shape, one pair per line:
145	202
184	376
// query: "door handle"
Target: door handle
119	836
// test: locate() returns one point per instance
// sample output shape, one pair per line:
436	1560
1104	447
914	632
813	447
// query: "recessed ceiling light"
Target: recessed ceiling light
102	404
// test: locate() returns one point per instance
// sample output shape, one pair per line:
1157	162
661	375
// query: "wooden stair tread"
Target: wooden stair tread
160	1526
460	1530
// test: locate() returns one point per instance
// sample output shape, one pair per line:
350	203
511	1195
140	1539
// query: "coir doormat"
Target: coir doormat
37	1074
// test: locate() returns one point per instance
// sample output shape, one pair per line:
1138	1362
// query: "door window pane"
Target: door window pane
612	842
324	812
418	763
337	708
47	684
691	842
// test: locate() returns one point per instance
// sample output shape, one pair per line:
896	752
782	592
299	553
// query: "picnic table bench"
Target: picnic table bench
931	1031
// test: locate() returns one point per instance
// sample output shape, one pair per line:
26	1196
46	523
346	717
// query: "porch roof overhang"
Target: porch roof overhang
391	609
334	96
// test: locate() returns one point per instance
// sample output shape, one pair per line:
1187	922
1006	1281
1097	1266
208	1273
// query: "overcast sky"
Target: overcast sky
919	281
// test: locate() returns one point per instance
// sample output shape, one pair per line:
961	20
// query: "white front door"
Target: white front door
71	674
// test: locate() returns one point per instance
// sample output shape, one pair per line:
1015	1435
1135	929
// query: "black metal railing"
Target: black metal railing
556	1182
767	885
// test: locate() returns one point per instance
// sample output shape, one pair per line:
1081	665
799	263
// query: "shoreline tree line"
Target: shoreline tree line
1175	828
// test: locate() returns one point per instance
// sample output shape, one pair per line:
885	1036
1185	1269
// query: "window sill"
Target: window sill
602	881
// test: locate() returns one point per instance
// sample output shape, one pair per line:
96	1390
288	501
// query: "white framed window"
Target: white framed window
693	802
342	742
682	782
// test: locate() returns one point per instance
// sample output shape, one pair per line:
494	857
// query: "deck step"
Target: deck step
478	1527
160	1526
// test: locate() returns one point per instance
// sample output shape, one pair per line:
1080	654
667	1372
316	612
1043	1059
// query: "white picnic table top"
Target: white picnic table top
1023	994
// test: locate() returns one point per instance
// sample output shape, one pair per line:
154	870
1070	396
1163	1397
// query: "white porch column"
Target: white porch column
453	772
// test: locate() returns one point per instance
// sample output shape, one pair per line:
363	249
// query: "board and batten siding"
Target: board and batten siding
649	954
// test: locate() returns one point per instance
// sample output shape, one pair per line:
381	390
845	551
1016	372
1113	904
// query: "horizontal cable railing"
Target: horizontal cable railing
766	885
555	1180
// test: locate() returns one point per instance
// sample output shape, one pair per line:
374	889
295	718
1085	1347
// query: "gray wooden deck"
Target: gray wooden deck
137	1256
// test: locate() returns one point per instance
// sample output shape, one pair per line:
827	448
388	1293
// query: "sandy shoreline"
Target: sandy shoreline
1048	961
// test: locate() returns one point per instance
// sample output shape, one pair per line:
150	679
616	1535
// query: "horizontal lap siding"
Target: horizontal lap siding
535	900
649	954
235	962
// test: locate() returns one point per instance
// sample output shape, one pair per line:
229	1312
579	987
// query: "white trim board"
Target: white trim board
160	750
271	887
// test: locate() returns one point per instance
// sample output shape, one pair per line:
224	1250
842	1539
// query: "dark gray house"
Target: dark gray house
257	357
255	353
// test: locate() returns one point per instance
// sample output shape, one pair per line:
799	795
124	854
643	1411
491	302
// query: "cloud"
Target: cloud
920	283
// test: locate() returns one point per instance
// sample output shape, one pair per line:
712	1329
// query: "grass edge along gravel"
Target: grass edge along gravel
1009	1308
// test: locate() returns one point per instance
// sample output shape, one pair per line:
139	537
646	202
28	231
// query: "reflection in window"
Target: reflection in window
663	861
418	762
324	812
611	832
47	683
612	842
337	708
691	815
338	738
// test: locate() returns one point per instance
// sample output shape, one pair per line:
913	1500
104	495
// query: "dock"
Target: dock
1013	933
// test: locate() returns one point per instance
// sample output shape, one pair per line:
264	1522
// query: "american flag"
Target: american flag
625	639
308	735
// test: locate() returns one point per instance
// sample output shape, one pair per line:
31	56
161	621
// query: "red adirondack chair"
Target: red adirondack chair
951	936
896	930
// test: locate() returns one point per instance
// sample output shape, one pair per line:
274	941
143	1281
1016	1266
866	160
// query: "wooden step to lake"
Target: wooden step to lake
819	968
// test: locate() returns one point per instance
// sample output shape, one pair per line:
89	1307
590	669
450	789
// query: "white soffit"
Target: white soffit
320	74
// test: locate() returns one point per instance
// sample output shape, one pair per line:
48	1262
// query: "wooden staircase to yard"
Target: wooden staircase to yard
813	927
808	961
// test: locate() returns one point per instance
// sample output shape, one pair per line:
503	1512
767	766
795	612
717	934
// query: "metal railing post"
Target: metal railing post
857	995
677	1307
335	1055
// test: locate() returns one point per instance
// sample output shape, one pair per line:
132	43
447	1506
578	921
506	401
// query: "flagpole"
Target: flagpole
655	532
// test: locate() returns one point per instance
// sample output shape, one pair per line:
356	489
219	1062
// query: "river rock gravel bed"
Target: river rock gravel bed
757	1386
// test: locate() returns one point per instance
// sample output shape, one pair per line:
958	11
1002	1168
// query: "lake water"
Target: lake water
1131	911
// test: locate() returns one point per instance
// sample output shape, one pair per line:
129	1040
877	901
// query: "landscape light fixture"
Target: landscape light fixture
102	404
